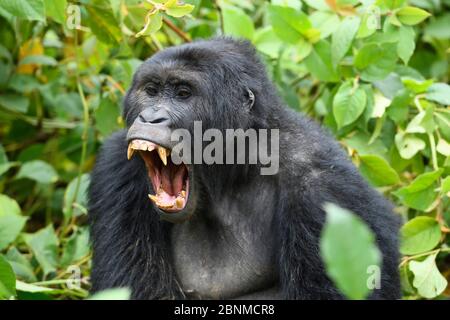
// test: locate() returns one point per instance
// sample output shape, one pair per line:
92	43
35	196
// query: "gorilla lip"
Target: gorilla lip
170	181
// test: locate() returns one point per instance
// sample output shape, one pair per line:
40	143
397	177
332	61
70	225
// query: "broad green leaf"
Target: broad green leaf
8	206
44	245
106	116
427	279
392	4
56	9
342	38
77	247
438	28
348	104
445	185
266	41
358	141
376	61
179	10
81	198
411	15
288	24
408	145
380	105
406	44
319	62
112	294
153	22
440	93
398	110
325	21
237	23
10	227
420	194
420	234
38	171
28	10
14	102
378	171
103	24
417	86
7	280
20	264
348	249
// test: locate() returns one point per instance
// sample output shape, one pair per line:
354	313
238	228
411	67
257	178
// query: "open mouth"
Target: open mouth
170	181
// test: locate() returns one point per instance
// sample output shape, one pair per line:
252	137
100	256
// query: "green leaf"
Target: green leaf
423	122
38	171
10	227
106	117
440	93
103	24
266	41
77	247
348	249
420	234
342	38
445	185
378	171
417	86
288	24
427	279
27	287
14	102
411	15
153	22
8	206
28	10
20	264
319	62
56	9
408	145
324	21
420	194
179	11
443	147
406	44
7	280
112	294
348	104
398	110
39	60
237	23
44	245
376	61
81	199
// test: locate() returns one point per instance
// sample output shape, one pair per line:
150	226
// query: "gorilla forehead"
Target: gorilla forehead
220	57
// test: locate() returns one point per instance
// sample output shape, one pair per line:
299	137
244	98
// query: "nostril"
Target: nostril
159	120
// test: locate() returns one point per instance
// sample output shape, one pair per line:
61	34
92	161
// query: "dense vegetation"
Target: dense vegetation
374	72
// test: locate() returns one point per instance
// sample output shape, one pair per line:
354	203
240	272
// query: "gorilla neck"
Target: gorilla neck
227	249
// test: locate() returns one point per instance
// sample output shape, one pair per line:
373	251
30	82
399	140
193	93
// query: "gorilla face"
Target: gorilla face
170	91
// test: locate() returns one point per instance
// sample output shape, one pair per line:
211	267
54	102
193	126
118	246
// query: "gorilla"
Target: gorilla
222	231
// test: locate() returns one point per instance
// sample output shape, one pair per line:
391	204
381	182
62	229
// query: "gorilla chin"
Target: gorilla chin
172	230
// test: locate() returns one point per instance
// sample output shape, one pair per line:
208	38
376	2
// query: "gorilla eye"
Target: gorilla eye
151	90
183	93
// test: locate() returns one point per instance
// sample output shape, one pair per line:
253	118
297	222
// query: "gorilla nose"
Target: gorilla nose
159	117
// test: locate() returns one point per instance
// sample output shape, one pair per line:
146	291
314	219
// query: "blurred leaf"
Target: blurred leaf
28	10
378	171
38	171
406	44
44	245
103	24
10	227
237	23
76	248
27	287
319	63
411	15
349	250
427	278
153	22
179	10
21	266
14	102
440	93
408	145
81	199
7	280
56	9
289	25
39	60
419	235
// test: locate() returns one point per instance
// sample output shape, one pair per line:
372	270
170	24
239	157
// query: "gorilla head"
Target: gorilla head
220	83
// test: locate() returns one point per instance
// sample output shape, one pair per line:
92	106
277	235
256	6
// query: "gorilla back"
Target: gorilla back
222	230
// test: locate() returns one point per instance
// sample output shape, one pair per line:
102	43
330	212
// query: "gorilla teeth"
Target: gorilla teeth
130	152
163	153
139	145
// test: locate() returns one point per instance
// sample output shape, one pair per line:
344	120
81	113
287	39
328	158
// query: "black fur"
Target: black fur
132	246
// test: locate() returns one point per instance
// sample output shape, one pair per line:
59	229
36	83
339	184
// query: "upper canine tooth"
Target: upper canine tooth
163	153
130	151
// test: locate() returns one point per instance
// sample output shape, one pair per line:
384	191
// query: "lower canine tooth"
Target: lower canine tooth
183	193
179	203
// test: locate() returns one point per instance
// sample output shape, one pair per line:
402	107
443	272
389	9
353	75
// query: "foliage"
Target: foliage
374	72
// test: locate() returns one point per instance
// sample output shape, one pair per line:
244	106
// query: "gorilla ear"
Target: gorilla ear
249	99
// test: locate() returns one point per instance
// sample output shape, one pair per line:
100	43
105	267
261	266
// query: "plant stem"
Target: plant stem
175	29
